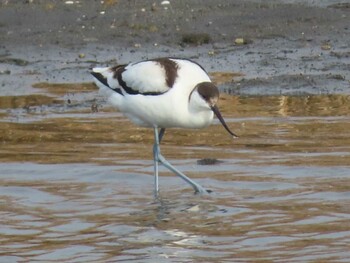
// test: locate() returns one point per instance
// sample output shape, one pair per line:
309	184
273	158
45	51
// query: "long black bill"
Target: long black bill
221	119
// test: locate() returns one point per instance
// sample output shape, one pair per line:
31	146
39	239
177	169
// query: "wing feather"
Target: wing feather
150	77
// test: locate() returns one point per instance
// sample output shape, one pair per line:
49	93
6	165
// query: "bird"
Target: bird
162	93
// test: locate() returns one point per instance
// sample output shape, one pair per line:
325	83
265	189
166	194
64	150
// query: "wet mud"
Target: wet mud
279	47
76	177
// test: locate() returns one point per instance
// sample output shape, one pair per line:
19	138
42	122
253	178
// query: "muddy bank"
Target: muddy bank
289	47
124	23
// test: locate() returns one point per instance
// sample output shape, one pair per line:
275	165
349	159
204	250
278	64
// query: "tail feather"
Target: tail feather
104	79
99	77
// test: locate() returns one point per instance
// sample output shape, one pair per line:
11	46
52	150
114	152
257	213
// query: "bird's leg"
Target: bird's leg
157	138
156	152
158	157
161	134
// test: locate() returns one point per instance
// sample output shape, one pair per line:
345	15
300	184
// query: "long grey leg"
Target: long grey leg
155	158
158	157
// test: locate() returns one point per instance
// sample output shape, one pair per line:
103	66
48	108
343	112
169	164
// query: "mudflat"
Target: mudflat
280	47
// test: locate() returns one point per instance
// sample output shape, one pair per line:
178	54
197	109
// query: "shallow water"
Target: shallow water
77	185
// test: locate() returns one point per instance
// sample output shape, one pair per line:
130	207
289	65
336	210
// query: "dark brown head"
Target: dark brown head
210	94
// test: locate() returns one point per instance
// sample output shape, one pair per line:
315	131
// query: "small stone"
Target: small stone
208	161
5	72
94	107
194	208
240	41
326	46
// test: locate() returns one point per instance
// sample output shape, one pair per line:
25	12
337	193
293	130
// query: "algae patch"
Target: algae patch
64	88
15	102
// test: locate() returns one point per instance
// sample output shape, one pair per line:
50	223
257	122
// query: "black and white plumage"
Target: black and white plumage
162	93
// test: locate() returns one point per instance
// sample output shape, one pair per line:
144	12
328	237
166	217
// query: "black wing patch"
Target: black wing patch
117	74
170	67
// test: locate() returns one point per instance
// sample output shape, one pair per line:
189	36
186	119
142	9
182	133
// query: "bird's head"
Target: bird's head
208	96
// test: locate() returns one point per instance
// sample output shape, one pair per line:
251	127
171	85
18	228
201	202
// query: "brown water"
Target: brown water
77	185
